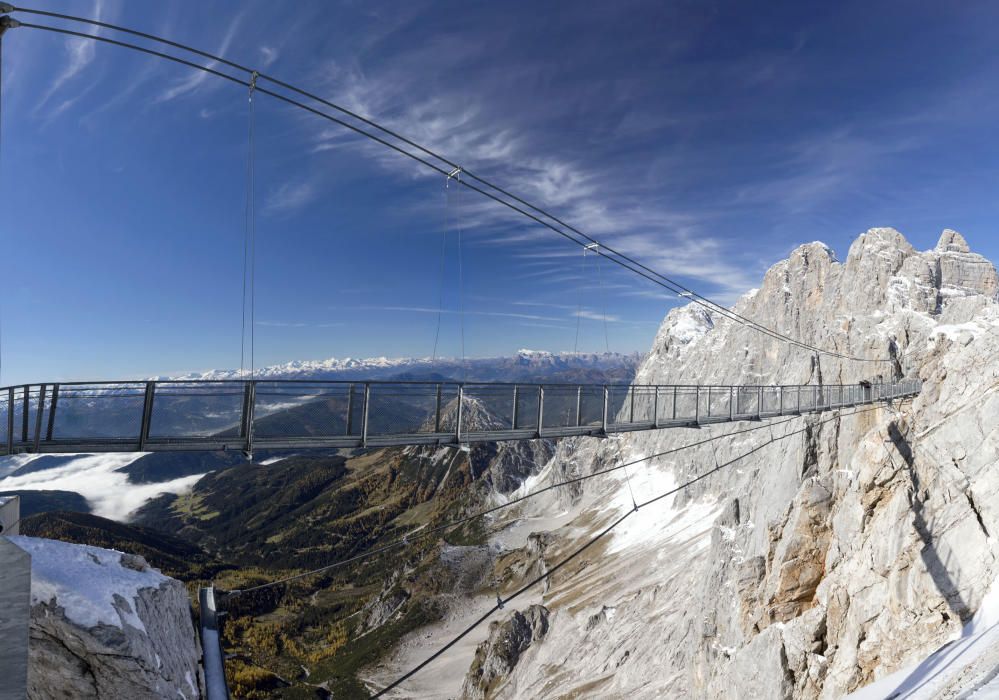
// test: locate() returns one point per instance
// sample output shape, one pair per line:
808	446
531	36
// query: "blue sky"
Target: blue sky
707	139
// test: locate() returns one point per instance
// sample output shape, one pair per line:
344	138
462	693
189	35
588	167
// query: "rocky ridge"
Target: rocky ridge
852	548
106	625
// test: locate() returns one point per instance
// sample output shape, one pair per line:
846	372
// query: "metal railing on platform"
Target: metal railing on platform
298	414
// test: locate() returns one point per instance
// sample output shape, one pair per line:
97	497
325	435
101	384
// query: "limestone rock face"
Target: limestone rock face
844	547
497	656
105	625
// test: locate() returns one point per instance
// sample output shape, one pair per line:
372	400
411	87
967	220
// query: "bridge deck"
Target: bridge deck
291	414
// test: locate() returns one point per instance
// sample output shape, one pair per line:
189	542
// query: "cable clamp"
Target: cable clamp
6	7
7	22
499	601
686	294
454	173
253	82
591	246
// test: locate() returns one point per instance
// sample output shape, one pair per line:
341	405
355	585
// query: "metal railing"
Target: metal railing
290	414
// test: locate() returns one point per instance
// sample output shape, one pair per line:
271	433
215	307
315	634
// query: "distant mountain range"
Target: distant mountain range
526	366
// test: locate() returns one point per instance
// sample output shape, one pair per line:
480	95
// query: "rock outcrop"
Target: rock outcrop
843	548
499	654
106	625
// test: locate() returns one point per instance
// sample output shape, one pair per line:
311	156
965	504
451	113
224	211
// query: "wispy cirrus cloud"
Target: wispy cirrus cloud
268	54
290	197
196	79
467	312
299	324
80	53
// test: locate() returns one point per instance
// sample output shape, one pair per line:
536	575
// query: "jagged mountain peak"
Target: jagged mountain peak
952	242
852	548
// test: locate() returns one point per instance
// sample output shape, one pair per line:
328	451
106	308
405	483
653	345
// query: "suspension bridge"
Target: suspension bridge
250	414
300	414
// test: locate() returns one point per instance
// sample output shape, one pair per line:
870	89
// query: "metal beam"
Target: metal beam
147	415
52	412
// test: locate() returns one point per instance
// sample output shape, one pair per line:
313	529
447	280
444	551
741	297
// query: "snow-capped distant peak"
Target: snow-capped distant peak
382	367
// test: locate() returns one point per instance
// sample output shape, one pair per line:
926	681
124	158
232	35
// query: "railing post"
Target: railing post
709	400
147	413
780	400
248	405
53	402
606	402
38	417
10	421
516	405
674	402
759	402
697	404
457	427
731	403
541	408
350	409
26	409
655	409
364	415
579	405
437	411
631	414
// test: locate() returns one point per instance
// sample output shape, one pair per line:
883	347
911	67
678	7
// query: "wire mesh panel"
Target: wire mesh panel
591	406
747	401
528	400
26	406
770	396
643	404
560	404
297	410
95	411
488	407
196	409
717	401
687	408
619	409
5	406
409	409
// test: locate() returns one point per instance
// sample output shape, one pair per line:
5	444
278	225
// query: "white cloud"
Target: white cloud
80	55
268	54
196	78
289	197
297	324
95	477
597	316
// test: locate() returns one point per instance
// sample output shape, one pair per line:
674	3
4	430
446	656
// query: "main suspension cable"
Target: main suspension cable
530	211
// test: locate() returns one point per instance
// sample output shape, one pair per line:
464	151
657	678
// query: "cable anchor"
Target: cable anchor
7	22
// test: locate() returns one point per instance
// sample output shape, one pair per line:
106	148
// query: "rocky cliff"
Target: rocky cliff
105	625
854	547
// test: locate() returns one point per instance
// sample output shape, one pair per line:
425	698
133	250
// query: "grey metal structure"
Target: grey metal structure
15	616
302	414
213	658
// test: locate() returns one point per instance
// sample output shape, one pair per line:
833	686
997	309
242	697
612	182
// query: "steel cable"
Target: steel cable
501	602
549	221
